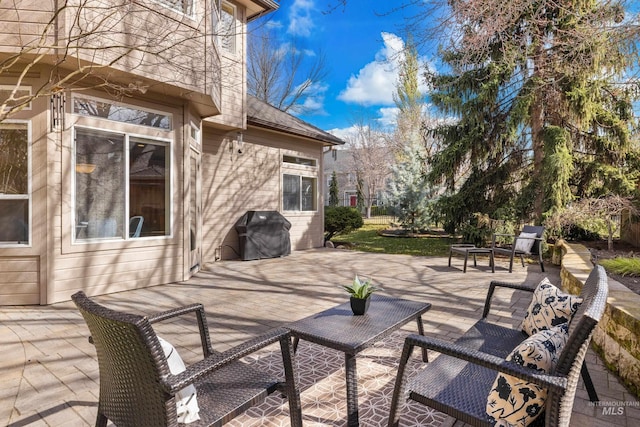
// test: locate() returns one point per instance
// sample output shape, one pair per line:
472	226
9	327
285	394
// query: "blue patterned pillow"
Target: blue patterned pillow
549	307
516	402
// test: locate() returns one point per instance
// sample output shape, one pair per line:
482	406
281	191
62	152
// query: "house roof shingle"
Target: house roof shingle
261	114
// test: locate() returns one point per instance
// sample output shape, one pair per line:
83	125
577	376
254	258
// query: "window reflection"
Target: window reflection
102	176
14	183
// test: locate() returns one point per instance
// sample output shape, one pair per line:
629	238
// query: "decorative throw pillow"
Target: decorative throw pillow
515	402
186	399
525	242
549	307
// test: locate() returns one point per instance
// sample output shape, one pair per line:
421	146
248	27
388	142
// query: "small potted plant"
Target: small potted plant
360	292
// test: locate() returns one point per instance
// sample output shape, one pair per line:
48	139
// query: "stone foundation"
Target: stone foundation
617	336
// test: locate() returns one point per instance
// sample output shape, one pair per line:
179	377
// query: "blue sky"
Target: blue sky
361	42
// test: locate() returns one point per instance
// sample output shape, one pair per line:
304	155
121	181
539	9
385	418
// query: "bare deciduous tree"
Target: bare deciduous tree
607	210
371	159
282	74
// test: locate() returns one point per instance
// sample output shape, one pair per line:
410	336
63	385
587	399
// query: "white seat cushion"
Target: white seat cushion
186	399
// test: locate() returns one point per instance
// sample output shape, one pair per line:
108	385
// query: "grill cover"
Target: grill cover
263	234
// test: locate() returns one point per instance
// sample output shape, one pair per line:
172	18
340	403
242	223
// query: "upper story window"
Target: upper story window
15	194
182	6
227	27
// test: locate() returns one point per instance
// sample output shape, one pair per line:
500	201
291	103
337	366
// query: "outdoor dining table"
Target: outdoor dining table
338	328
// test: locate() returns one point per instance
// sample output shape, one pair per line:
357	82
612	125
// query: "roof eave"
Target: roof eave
326	139
268	7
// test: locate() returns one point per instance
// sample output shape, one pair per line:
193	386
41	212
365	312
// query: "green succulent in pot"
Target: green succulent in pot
361	289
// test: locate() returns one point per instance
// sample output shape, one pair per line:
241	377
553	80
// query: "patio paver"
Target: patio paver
50	376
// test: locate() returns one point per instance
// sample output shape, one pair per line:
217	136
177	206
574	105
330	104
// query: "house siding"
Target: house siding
112	266
171	50
19	280
234	183
232	72
53	265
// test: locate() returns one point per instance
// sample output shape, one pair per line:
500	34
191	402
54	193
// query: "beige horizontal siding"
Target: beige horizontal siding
168	47
109	266
234	183
19	280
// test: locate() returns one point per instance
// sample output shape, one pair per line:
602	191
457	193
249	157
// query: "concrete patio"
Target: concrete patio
50	375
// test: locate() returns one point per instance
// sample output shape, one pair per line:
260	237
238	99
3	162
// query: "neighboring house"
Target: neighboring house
105	193
342	162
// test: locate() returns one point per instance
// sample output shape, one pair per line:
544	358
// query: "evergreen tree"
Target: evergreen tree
334	199
408	193
409	101
541	116
360	199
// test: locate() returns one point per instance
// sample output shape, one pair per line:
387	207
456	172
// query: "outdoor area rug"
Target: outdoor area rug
323	390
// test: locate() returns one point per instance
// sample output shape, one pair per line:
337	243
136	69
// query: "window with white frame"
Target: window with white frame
299	193
93	107
15	194
299	184
182	6
227	27
122	180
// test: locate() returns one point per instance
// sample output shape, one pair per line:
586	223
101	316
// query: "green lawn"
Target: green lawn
367	239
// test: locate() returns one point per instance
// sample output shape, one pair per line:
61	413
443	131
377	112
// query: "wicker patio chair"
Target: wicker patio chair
458	382
517	247
137	388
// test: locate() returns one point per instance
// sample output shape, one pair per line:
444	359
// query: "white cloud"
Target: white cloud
375	82
273	25
345	134
388	116
300	21
313	103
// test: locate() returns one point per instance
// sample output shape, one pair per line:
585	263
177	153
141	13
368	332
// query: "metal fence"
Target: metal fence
381	220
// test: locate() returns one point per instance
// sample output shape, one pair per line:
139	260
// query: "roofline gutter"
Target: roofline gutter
268	5
285	129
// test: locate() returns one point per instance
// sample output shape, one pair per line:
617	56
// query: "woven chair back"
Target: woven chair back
131	362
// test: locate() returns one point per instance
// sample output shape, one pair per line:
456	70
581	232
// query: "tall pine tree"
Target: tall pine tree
541	116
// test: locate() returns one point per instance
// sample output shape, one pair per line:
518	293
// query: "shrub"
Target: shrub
577	233
622	266
341	219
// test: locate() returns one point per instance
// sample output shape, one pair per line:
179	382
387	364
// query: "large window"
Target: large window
14	183
298	193
122	186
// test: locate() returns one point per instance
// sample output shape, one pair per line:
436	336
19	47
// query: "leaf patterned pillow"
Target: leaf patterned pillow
516	402
549	307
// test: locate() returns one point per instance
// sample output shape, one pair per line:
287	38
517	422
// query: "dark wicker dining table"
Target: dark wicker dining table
338	328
